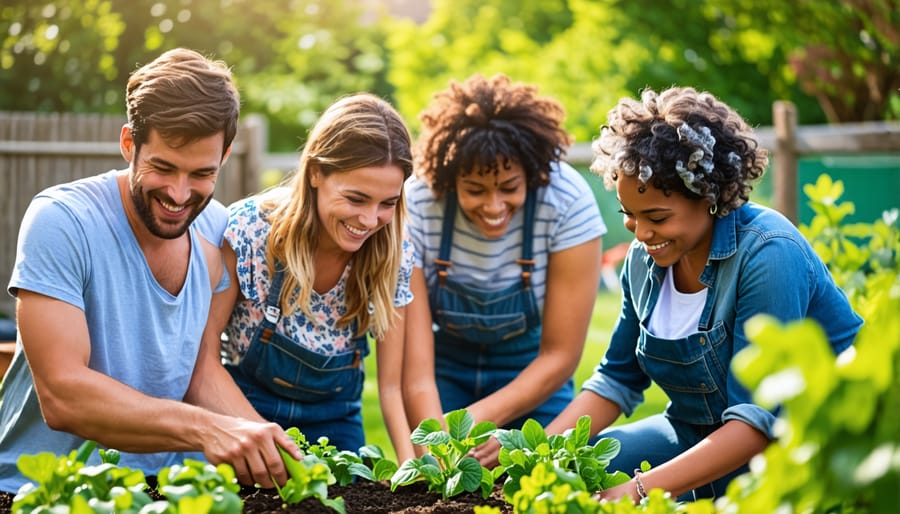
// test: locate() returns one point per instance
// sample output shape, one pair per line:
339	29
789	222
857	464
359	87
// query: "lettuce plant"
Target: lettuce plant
345	465
523	450
551	489
448	468
65	483
195	483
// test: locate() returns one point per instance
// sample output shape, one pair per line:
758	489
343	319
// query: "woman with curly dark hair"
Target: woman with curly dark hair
508	239
703	262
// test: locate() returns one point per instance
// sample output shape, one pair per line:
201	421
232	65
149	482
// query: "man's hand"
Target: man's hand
252	449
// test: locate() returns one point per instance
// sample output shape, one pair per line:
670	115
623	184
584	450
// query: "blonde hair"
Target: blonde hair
357	131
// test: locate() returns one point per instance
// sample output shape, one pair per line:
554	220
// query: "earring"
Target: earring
713	209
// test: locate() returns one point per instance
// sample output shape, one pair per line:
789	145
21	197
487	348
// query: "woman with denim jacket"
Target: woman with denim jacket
704	260
320	264
507	238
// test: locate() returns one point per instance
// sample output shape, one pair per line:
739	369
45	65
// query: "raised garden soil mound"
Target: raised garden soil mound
361	497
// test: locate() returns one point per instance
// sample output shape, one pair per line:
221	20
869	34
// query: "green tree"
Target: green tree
701	44
324	50
291	58
564	53
836	59
56	56
845	53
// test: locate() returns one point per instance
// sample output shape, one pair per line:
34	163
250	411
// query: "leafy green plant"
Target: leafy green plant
382	467
369	464
838	451
310	478
549	488
65	483
523	450
195	483
852	251
448	468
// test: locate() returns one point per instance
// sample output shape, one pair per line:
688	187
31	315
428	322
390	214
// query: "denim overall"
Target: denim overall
486	338
691	371
296	387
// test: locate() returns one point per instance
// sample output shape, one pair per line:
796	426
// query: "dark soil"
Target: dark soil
362	497
376	498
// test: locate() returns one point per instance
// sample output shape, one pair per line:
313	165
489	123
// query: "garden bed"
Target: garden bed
366	497
362	497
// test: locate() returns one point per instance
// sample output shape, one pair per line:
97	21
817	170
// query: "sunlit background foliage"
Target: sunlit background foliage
837	60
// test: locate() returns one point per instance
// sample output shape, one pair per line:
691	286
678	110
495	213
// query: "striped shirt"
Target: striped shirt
566	215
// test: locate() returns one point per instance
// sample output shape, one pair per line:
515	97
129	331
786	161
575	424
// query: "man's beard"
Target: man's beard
165	230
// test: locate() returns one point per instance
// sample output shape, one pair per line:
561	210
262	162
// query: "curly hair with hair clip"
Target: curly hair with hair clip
681	140
480	124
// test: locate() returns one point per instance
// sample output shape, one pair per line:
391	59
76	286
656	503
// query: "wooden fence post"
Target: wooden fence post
784	183
256	137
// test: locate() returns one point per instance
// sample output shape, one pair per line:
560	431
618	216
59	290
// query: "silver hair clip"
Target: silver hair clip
734	160
687	176
701	157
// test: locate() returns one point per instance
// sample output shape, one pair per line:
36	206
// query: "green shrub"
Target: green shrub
839	449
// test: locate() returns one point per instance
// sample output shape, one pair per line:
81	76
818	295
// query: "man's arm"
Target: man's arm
76	399
211	385
213	388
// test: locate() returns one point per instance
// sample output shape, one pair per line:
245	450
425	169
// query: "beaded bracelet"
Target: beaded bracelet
640	485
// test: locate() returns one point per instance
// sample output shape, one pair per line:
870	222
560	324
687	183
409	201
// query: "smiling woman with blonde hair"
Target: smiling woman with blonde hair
320	263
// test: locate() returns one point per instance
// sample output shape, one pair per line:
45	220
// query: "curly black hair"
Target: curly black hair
481	124
681	140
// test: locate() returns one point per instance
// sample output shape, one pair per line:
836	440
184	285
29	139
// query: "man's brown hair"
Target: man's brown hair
184	96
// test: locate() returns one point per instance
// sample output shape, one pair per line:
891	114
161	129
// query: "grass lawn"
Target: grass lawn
606	310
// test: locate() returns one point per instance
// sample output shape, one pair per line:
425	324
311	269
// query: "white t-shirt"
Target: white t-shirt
677	314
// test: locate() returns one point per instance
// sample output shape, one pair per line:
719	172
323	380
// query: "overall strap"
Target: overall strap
527	262
443	260
273	311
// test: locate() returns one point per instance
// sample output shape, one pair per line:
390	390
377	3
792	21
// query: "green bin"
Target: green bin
871	182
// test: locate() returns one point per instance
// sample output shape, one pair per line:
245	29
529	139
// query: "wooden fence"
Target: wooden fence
789	142
38	150
786	141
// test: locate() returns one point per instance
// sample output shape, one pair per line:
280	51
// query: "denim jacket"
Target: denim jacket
758	263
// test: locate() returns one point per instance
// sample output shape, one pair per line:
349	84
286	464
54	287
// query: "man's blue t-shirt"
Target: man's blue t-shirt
75	245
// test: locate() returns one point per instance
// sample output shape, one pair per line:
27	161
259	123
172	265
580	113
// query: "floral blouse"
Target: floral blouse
247	232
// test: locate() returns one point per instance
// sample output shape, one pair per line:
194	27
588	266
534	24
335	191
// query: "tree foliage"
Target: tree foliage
291	58
565	54
58	55
835	59
844	53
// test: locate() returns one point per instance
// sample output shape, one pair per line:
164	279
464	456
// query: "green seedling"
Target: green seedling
310	478
192	481
448	468
523	450
344	464
66	484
